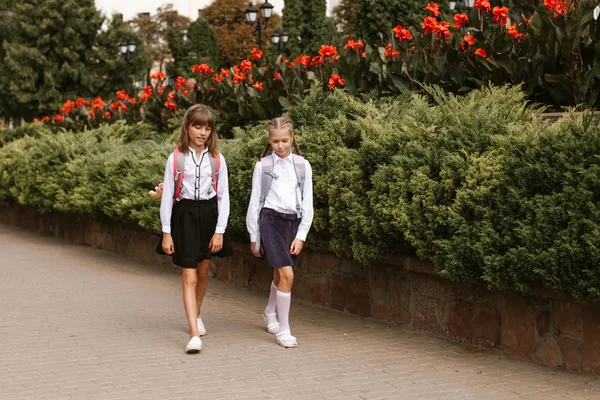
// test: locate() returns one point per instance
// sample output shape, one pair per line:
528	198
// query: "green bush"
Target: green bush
479	185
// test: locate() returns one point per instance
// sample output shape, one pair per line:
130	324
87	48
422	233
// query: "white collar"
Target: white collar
277	158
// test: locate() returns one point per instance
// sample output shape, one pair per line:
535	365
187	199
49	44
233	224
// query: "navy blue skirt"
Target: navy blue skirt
277	232
193	224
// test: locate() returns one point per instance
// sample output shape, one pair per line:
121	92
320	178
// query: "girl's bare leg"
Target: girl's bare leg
201	284
189	299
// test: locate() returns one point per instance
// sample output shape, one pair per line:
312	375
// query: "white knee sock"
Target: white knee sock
284	301
272	305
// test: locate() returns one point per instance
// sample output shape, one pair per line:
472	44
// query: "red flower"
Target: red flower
98	103
114	106
256	54
171	96
512	31
460	20
238	77
265	68
179	83
225	72
36	120
46	118
500	15
258	86
123	108
58	119
122	96
107	114
429	24
403	33
390	53
483	5
316	61
68	106
170	105
559	7
158	75
481	53
218	78
354	45
284	60
80	102
327	51
442	29
292	64
470	39
433	8
204	69
91	112
335	80
186	92
276	76
246	66
132	100
146	93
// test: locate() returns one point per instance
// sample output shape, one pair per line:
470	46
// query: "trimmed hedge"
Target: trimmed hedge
480	185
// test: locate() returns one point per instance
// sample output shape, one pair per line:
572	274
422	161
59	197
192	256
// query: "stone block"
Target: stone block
548	353
465	291
487	325
424	285
357	299
567	318
338	292
591	339
483	294
416	265
329	263
571	350
425	314
404	310
542	321
518	334
459	324
320	292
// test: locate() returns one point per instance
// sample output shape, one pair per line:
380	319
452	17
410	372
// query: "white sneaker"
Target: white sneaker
201	327
194	345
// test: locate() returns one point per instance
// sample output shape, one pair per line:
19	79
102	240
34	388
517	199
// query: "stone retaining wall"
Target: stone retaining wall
546	327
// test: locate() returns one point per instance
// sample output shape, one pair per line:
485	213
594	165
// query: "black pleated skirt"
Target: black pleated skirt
193	224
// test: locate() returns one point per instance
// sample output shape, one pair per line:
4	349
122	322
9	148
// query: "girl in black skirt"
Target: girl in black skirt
279	217
194	209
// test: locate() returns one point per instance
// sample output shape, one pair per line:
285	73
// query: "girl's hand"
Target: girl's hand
261	251
157	192
216	243
167	244
296	247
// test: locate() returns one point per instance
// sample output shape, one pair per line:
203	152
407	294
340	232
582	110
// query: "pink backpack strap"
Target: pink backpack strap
215	165
178	168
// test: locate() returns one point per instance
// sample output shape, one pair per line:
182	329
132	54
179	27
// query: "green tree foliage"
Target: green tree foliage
199	45
346	13
51	56
376	18
305	21
153	30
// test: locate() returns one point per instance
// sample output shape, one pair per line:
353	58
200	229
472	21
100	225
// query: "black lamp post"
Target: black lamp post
259	24
280	41
126	49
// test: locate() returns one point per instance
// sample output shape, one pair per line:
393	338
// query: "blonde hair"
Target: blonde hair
198	114
282	123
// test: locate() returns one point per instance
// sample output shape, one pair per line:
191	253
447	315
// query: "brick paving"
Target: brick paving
82	323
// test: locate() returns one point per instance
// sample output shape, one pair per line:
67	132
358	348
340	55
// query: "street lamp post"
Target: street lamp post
280	41
259	24
126	49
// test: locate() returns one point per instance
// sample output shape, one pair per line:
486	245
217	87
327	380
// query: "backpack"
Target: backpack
179	167
267	180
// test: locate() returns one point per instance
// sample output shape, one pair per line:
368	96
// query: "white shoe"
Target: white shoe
272	327
201	327
285	339
194	345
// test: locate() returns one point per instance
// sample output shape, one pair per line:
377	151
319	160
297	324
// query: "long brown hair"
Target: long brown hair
198	114
282	123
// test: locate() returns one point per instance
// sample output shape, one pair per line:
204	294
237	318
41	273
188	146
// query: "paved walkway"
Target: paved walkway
80	323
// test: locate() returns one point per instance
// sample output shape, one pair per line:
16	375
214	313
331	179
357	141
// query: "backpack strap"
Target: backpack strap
178	168
266	180
300	170
215	166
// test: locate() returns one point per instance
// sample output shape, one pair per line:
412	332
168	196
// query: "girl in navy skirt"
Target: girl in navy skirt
194	209
279	217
